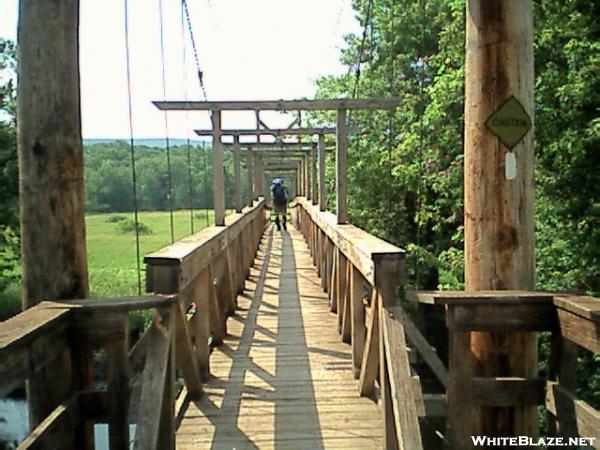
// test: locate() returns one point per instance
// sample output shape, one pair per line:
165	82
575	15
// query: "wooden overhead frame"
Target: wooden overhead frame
341	130
276	132
281	105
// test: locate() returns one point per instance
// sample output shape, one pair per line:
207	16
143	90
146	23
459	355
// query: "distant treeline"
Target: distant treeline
109	177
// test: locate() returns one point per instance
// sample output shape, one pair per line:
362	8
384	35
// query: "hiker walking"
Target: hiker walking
279	195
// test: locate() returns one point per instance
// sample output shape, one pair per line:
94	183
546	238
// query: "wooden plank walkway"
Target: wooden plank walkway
282	379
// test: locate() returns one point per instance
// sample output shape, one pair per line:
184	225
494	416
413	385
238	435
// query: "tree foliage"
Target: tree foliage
109	183
9	193
405	174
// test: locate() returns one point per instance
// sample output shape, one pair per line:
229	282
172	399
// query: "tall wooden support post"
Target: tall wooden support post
259	176
218	176
237	175
313	174
307	172
322	188
341	166
50	175
301	178
250	168
498	203
298	192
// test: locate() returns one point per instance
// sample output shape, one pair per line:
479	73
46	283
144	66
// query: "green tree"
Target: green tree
9	193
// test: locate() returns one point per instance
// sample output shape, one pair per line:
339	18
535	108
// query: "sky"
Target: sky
248	50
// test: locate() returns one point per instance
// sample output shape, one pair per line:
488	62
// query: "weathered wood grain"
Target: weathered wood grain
403	398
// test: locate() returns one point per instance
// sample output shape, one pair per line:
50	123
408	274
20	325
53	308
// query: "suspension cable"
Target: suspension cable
191	31
421	129
391	83
166	119
362	49
187	118
132	151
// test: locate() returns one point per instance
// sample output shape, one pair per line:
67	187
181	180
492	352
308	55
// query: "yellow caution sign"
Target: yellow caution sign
510	122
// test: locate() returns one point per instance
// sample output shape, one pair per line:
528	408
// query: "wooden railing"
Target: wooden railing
51	345
362	275
200	276
573	321
351	262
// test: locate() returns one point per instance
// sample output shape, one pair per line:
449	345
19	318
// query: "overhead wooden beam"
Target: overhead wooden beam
270	145
280	105
341	166
218	176
276	132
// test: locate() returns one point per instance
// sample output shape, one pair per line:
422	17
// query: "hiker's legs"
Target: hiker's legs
277	221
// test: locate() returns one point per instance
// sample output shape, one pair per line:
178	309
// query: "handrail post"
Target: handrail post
388	278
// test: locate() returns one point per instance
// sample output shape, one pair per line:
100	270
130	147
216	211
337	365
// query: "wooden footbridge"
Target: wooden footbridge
305	338
292	339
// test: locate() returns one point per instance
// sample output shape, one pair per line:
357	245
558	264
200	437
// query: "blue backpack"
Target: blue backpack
279	195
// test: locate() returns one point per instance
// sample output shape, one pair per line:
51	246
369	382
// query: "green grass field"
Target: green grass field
111	253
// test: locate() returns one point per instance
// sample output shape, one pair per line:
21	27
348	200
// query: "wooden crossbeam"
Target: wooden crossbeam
273	145
280	105
276	132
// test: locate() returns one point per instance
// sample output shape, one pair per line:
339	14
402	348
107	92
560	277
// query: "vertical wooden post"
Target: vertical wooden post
322	188
166	430
250	168
358	329
307	179
117	352
50	152
313	174
81	358
237	175
301	174
298	190
341	166
218	178
498	207
563	360
259	176
341	270
388	270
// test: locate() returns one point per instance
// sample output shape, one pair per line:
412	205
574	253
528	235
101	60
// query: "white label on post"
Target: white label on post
510	166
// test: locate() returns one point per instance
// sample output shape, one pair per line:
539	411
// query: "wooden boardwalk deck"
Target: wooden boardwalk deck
282	379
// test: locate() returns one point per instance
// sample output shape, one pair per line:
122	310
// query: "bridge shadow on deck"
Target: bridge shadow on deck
263	392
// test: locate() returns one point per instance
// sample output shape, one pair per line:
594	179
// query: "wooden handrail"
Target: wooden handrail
351	261
357	245
206	270
347	262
